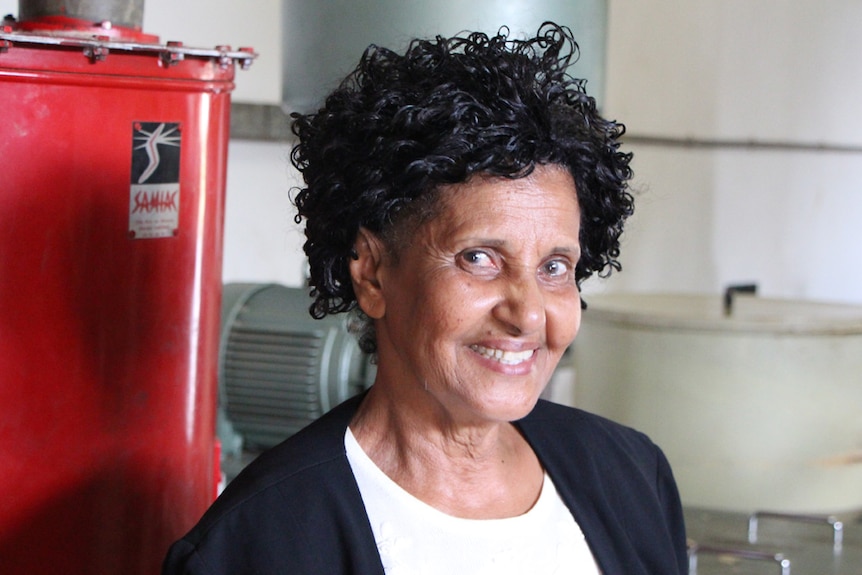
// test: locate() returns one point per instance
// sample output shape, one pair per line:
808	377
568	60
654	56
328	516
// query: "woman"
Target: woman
457	197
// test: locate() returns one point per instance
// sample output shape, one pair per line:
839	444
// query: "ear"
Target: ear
365	271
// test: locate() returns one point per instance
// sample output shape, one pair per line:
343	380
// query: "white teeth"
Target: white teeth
505	357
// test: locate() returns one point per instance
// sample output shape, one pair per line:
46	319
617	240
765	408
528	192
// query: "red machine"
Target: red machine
112	174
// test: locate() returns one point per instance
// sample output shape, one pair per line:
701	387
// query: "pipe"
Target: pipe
731	291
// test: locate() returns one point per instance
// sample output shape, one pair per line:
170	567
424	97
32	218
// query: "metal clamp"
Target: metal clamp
171	57
694	549
97	51
4	43
836	525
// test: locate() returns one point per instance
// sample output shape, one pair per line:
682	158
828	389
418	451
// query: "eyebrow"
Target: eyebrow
575	252
497	243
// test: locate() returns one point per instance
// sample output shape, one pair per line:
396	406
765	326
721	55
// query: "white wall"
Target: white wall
209	23
8	7
262	243
735	70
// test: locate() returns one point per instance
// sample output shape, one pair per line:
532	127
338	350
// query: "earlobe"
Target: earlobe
365	264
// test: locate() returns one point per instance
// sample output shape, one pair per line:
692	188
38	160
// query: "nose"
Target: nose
522	304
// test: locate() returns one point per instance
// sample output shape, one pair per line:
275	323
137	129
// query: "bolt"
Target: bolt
246	63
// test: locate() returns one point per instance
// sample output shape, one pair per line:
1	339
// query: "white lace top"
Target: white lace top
414	538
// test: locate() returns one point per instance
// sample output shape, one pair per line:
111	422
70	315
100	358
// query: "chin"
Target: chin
512	408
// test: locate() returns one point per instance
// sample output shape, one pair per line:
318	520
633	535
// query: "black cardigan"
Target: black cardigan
297	509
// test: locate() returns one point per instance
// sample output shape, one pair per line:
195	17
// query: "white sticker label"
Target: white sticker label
154	198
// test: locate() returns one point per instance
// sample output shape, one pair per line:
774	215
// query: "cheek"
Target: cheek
460	298
442	308
564	321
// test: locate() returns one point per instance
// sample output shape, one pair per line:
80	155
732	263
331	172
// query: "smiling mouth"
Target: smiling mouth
504	357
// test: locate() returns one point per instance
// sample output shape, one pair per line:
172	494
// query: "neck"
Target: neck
475	469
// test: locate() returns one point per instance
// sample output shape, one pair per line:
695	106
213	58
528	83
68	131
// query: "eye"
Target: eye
477	258
558	268
478	262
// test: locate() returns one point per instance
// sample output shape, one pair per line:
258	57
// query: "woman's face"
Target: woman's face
473	315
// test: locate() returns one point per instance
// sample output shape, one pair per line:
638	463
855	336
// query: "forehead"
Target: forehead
547	196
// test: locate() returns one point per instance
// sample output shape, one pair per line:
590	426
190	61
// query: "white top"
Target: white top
414	538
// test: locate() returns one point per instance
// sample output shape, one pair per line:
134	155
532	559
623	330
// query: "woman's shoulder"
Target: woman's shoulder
302	465
572	420
305	476
554	427
616	482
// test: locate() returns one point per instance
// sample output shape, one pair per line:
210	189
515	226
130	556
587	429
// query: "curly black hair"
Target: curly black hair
400	127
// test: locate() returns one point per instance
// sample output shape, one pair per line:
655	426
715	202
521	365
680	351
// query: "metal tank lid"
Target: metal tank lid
706	312
99	27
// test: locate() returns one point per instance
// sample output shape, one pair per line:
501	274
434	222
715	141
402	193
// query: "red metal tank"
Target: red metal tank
112	174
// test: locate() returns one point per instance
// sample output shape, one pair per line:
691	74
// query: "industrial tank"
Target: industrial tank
755	402
112	160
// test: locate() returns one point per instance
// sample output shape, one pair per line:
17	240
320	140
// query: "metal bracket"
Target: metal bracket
694	549
826	520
